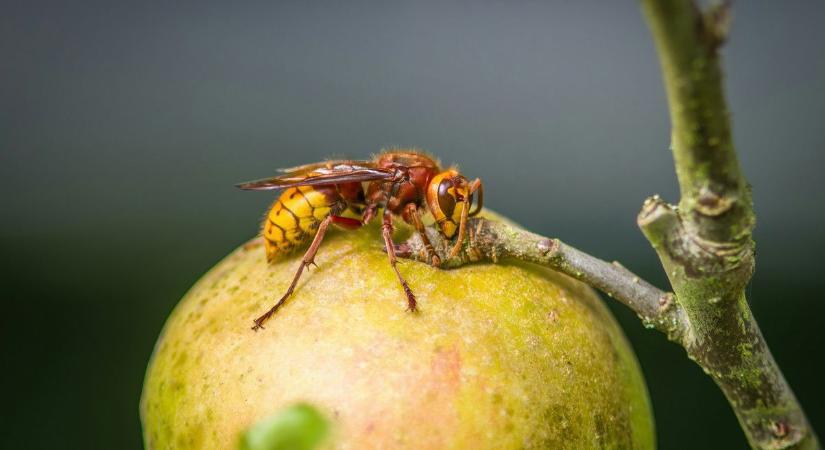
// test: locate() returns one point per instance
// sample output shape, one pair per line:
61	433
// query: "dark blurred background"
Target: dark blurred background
123	128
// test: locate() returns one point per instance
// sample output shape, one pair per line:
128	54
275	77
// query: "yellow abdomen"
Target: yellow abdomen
295	216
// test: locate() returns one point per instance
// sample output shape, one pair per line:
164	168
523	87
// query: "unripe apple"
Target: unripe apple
499	356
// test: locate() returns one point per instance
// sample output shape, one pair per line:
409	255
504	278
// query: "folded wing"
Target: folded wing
330	172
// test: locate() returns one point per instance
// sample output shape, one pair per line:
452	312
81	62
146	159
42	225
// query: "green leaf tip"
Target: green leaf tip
299	427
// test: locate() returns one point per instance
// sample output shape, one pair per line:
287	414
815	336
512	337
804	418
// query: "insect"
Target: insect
405	183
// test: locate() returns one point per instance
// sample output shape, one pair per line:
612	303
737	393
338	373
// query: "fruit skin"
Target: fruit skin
500	356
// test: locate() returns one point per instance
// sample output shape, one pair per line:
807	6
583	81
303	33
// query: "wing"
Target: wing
327	164
341	173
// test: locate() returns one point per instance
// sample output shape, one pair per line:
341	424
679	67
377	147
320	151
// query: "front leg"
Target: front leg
465	208
413	215
414	247
386	230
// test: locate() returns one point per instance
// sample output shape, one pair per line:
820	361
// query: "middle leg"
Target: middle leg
386	230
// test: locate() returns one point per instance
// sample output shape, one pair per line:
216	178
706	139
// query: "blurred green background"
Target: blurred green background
123	127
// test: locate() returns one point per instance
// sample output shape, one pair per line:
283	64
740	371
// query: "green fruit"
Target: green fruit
499	356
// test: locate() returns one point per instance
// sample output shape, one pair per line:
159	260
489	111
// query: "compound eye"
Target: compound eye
446	200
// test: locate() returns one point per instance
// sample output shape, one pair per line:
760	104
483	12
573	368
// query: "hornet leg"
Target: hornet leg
480	202
386	230
309	258
346	222
462	226
413	214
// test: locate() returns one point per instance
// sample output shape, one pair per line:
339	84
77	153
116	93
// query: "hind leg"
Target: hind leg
309	258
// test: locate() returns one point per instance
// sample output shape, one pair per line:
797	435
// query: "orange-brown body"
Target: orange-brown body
403	183
420	169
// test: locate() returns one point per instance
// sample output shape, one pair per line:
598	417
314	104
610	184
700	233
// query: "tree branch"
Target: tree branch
716	201
705	243
492	240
